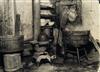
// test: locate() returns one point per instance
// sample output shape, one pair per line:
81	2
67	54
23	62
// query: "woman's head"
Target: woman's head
72	13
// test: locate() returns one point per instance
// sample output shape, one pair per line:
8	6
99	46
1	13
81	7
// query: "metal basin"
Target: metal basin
76	38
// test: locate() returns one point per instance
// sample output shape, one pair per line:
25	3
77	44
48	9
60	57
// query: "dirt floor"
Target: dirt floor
69	65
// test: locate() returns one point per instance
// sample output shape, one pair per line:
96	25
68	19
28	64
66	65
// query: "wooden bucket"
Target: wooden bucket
12	62
11	43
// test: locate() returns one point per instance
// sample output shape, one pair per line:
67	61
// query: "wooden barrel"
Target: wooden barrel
11	43
12	62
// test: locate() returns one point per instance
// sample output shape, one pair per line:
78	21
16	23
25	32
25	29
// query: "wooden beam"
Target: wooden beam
95	43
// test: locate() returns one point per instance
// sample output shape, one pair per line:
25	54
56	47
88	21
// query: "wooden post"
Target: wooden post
36	18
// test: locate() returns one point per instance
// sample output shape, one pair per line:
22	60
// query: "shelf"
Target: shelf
46	7
69	3
43	27
43	43
47	12
48	16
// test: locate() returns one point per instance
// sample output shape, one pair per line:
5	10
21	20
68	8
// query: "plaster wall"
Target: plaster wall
24	8
90	17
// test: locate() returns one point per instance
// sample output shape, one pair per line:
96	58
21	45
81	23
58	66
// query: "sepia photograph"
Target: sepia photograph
49	35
